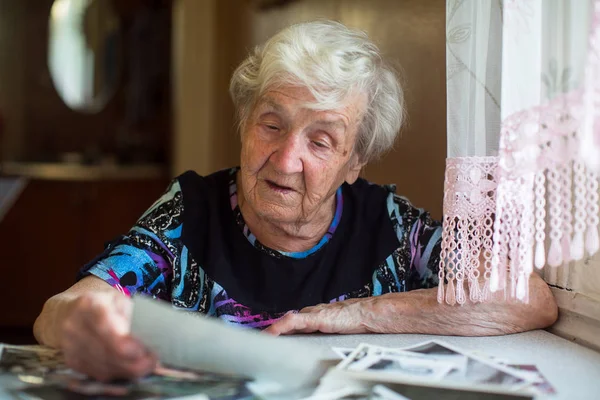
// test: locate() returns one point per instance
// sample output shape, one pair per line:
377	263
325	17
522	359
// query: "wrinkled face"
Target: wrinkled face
293	158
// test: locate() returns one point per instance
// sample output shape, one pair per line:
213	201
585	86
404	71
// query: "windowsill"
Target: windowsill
578	318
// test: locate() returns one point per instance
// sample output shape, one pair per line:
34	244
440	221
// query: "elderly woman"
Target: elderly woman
292	240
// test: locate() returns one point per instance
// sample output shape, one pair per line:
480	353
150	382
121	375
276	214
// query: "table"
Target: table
572	369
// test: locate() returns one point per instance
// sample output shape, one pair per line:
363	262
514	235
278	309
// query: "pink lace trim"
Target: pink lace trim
540	175
495	209
469	205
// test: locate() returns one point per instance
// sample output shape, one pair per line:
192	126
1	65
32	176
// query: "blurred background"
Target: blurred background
102	102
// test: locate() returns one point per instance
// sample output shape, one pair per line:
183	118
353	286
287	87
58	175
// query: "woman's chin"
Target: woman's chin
279	214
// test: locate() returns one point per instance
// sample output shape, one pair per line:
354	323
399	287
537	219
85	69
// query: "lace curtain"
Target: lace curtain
521	184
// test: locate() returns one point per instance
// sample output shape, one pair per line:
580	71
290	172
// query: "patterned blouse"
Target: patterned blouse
156	258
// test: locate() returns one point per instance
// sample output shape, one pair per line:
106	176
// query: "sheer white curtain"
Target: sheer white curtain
521	186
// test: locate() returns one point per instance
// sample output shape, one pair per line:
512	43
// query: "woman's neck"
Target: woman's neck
288	237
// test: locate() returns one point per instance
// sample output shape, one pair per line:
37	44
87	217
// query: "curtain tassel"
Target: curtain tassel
475	294
450	295
460	292
591	240
440	294
555	258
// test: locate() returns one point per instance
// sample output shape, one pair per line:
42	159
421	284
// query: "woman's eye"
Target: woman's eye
272	127
320	144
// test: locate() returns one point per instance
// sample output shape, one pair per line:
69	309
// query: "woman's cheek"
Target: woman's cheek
255	158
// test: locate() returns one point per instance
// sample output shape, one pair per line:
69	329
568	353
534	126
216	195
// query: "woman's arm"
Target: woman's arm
418	311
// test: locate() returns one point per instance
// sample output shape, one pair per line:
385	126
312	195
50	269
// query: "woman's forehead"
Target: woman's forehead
291	99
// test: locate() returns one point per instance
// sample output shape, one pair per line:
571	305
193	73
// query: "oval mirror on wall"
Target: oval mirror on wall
84	52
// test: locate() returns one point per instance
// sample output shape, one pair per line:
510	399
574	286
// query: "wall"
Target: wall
12	38
209	40
193	36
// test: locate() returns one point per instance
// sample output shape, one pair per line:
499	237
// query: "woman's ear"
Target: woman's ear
356	165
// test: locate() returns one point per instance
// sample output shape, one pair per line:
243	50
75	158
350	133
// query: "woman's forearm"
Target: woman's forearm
419	312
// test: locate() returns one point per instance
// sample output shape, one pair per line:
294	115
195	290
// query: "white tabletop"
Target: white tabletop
573	370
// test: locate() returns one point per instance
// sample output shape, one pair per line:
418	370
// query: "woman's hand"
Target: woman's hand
347	316
95	338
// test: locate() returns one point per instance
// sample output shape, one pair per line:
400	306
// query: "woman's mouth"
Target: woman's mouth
279	188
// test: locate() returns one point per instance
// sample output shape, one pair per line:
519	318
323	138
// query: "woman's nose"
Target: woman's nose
287	157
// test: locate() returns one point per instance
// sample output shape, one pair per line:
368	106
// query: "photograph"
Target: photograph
414	391
439	352
55	392
476	369
46	377
542	386
342	352
380	392
356	358
152	387
409	367
458	362
34	360
375	359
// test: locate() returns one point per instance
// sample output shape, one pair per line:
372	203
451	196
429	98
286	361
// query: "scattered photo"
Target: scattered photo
54	392
33	360
541	386
379	360
40	373
380	392
409	367
342	352
209	387
425	392
476	369
356	358
437	351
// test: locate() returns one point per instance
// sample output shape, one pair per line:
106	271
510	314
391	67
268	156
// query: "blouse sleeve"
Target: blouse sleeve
142	260
420	237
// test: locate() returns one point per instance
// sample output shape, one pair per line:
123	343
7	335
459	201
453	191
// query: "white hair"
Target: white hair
333	62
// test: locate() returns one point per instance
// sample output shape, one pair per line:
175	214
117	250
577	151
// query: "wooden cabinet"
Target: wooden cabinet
52	230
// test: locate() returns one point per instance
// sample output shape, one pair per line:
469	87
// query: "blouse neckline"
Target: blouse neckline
339	205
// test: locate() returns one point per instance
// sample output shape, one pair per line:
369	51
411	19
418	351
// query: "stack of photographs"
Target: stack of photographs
435	369
35	372
430	370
